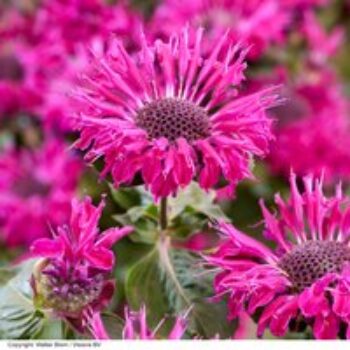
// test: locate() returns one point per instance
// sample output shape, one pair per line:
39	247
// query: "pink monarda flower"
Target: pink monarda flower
322	45
51	71
31	78
136	326
305	280
258	22
171	116
36	187
313	122
76	22
304	4
72	23
13	23
324	144
71	279
16	93
49	48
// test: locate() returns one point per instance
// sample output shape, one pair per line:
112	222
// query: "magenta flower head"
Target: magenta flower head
172	116
260	23
314	122
136	326
305	280
71	278
36	187
74	22
322	45
17	93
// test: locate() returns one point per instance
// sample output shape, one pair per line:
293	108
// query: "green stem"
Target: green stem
163	218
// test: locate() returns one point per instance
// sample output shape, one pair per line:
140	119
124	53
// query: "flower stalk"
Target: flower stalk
163	217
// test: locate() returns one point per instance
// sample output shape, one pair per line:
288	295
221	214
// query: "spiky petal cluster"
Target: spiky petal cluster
136	327
72	278
260	23
305	280
322	45
34	80
171	116
325	146
302	4
17	94
36	187
49	43
314	122
72	23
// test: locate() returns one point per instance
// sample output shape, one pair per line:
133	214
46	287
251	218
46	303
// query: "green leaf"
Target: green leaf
19	318
197	199
169	281
6	273
52	329
149	212
141	213
188	223
187	213
145	228
143	286
128	253
113	324
144	219
126	198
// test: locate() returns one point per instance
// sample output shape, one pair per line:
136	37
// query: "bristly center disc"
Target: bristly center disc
308	262
173	118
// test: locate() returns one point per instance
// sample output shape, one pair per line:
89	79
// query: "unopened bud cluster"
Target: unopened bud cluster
68	290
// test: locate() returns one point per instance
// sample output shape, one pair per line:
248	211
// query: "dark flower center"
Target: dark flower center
308	262
173	118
